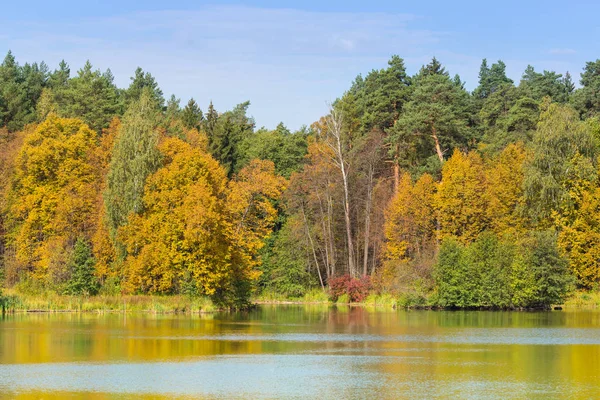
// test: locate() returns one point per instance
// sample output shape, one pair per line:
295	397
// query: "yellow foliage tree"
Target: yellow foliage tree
252	214
53	197
505	191
103	246
182	232
410	218
460	199
580	240
196	231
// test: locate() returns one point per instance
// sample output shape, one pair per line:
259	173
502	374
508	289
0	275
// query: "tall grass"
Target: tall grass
312	296
52	302
584	299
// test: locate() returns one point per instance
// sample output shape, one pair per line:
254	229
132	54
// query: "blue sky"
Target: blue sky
292	58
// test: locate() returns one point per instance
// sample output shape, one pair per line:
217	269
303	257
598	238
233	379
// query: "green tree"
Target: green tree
539	85
172	118
490	261
497	273
210	123
139	82
435	120
285	267
20	89
587	99
540	275
562	145
379	97
507	116
285	149
59	78
135	156
456	285
192	115
230	130
83	281
491	79
90	96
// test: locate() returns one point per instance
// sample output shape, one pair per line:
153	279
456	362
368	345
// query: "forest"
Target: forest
410	187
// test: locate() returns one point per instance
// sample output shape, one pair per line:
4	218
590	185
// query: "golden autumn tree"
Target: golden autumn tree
10	146
460	199
505	190
252	213
52	202
197	232
182	233
580	240
410	217
103	246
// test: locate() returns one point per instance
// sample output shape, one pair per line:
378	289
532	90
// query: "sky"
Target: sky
290	59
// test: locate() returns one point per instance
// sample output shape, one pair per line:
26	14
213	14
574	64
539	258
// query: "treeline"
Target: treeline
431	192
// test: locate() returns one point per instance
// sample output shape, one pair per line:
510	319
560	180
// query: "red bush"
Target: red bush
357	289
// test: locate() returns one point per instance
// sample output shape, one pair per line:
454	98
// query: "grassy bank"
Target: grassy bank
52	302
13	301
579	300
318	296
583	299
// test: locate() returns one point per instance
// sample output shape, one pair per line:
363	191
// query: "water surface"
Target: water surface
302	352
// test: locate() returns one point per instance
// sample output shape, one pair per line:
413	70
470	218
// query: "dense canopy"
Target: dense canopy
411	186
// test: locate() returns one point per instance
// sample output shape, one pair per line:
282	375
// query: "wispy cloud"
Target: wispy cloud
288	62
562	51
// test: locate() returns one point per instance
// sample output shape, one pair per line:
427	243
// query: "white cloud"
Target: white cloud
561	51
287	62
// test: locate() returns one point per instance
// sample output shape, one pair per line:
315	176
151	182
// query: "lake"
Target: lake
292	351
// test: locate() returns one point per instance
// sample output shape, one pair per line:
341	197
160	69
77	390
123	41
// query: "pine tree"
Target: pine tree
83	280
192	115
142	80
231	129
435	120
211	122
91	96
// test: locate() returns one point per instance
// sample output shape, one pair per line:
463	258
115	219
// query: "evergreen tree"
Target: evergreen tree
433	68
211	122
20	89
539	85
60	77
285	149
91	96
587	99
569	84
192	115
231	129
491	79
83	281
173	107
142	80
435	120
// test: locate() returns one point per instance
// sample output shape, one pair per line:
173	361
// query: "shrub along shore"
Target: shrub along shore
14	302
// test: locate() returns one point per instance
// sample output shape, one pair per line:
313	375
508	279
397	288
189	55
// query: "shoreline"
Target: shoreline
17	303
